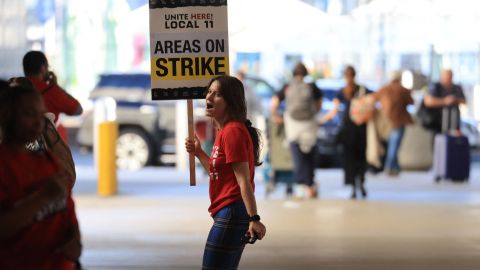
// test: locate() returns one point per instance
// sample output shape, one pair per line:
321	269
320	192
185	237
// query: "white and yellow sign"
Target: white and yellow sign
188	46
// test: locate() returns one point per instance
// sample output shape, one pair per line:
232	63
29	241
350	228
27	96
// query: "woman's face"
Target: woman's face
215	104
348	75
29	119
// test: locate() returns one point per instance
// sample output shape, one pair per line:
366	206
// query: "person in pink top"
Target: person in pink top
231	167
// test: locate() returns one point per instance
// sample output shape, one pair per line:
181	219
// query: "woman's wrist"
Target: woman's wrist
254	218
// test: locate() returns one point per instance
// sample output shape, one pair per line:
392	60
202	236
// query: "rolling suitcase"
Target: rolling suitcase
451	151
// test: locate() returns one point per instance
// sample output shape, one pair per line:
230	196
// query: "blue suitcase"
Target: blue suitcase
452	157
451	154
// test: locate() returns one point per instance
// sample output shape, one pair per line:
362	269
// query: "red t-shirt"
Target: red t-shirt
232	144
55	98
22	173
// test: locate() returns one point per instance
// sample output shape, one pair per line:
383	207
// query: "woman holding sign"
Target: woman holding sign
231	168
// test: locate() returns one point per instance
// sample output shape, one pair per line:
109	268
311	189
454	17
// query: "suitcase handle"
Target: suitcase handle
450	116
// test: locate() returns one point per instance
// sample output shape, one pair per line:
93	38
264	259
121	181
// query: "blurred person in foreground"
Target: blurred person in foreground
351	136
302	102
38	228
56	99
445	94
50	138
394	99
231	168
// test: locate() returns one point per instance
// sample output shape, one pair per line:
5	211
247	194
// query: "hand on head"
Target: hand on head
51	78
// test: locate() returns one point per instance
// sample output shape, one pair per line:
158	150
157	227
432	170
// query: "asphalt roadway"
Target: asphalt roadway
157	221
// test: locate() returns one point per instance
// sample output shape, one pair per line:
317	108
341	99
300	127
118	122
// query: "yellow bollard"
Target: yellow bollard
107	158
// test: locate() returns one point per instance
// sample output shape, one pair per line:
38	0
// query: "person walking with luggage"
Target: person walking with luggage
231	168
446	94
302	102
394	99
39	228
351	136
56	99
451	151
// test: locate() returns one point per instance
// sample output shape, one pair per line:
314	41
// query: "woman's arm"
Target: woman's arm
21	215
431	101
23	212
242	173
276	116
331	114
204	158
72	247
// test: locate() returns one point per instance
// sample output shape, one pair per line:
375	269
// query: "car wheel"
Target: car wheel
134	149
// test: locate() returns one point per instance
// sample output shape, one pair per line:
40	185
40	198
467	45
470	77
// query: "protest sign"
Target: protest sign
188	46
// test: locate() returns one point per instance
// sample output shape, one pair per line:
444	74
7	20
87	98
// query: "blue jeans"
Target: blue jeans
394	141
224	247
303	165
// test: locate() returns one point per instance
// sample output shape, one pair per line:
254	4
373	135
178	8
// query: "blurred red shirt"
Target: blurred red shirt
232	144
55	98
22	173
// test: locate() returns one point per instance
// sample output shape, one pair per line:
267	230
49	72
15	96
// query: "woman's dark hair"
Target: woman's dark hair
9	99
300	70
233	93
351	69
32	62
3	85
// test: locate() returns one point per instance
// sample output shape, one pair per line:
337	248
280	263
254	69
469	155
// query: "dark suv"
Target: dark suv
146	127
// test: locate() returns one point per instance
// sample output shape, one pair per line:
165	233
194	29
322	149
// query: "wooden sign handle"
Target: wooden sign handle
191	136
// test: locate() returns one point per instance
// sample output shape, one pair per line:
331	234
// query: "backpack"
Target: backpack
430	118
299	101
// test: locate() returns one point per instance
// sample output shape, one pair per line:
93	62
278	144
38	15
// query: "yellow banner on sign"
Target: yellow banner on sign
181	68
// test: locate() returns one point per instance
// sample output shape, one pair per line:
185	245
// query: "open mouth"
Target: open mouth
209	106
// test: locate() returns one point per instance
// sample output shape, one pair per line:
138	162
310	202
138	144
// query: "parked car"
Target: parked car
469	128
146	128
